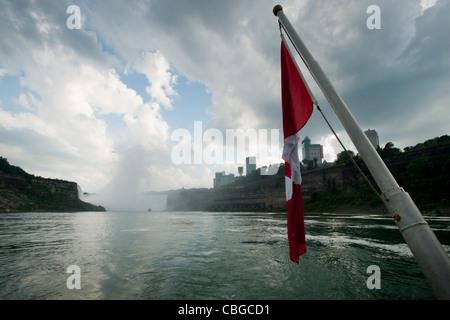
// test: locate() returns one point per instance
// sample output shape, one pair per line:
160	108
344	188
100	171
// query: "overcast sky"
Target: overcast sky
104	105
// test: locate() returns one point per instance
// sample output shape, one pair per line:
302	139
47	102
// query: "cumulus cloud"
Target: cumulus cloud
233	48
158	72
64	99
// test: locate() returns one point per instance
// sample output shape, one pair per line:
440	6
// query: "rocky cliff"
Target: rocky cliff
265	194
340	187
22	192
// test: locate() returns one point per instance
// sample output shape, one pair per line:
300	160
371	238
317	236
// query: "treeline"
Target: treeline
439	141
422	170
6	167
24	192
390	150
343	158
427	182
425	176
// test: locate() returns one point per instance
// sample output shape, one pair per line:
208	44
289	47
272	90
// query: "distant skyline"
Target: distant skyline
98	103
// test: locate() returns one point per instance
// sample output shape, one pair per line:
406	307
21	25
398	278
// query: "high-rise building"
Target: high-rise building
250	165
305	147
373	138
312	151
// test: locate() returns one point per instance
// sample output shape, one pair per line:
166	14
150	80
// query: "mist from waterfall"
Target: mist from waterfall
127	188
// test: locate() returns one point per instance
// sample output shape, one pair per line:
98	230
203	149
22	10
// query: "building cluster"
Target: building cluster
222	179
310	152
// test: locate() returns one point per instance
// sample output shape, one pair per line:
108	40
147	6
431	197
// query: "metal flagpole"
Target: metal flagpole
426	248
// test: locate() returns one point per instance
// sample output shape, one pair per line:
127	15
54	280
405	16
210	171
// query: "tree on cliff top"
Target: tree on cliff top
6	167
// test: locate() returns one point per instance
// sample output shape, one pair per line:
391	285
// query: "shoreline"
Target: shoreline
356	211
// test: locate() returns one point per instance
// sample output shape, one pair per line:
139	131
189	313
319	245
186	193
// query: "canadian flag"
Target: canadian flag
297	108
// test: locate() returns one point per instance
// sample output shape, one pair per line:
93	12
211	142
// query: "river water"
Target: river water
206	255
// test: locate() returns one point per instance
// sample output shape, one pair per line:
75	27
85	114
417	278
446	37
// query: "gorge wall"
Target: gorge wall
23	192
267	193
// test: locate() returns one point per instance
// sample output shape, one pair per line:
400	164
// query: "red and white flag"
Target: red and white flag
297	109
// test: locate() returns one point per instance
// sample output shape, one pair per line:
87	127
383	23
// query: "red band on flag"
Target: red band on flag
297	103
296	225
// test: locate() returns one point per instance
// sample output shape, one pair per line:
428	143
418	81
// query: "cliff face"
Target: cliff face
20	191
268	193
330	179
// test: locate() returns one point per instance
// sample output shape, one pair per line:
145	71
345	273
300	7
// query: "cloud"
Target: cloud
157	70
425	4
201	41
387	76
235	55
64	99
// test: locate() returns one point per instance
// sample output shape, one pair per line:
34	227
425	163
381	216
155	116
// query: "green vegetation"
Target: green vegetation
341	199
18	171
15	170
431	143
422	170
427	182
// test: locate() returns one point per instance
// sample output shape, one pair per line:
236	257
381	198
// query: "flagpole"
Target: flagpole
426	248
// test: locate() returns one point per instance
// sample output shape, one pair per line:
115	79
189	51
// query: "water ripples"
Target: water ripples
200	255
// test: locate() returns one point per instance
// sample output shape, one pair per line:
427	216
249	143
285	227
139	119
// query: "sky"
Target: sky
131	96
